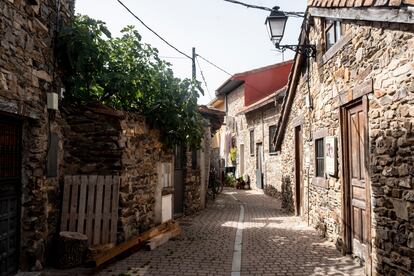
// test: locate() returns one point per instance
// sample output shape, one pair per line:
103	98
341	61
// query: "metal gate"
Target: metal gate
10	166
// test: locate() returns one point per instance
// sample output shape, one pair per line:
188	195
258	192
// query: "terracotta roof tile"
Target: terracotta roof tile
358	3
395	3
342	3
368	2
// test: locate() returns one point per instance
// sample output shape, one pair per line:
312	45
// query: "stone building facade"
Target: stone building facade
27	74
252	103
346	140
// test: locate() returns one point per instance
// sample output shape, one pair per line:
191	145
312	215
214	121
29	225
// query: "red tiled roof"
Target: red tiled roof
358	3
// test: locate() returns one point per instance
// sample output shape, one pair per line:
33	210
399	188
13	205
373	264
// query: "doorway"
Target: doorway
10	190
356	187
299	171
179	164
241	160
259	165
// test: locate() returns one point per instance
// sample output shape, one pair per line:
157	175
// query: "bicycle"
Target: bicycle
214	185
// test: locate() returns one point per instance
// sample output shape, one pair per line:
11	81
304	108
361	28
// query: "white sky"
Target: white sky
232	36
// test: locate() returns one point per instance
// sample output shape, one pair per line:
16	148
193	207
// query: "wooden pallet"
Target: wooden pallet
90	207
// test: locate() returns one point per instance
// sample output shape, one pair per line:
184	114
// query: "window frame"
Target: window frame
320	142
336	26
272	150
252	144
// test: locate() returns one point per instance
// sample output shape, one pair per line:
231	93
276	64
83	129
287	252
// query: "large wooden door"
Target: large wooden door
357	191
10	137
298	170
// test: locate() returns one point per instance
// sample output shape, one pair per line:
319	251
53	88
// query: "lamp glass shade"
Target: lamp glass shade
276	23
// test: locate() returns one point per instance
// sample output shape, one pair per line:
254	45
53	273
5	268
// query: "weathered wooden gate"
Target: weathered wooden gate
90	207
10	186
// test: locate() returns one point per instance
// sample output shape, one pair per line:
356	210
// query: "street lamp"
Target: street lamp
276	23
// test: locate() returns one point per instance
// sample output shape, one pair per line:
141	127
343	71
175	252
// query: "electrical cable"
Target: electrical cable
297	14
211	63
204	79
151	30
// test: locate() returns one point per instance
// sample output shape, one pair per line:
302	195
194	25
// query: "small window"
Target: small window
166	174
333	32
251	142
272	133
320	158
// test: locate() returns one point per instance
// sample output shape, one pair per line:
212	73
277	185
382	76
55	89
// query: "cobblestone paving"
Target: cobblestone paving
273	244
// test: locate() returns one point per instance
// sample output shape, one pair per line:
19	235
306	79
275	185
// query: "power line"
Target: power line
211	63
172	57
297	14
204	79
146	26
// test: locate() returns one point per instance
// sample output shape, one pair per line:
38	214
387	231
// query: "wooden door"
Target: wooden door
10	183
357	191
259	166
298	170
179	159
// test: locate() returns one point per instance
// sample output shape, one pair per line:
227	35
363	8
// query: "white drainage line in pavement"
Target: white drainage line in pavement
236	265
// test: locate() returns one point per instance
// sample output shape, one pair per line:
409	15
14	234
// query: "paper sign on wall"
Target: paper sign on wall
331	156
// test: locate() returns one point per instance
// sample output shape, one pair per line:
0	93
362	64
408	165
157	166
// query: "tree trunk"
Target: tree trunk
71	249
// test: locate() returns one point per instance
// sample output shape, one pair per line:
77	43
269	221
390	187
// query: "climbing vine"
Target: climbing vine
127	74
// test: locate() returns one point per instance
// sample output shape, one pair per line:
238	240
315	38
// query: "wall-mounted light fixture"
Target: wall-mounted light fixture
276	23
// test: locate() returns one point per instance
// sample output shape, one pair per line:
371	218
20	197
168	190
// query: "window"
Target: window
166	174
251	142
272	133
333	32
320	158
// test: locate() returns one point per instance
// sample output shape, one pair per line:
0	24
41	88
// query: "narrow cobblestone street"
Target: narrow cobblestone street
273	243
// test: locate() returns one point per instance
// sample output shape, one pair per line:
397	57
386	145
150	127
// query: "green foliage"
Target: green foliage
233	155
127	74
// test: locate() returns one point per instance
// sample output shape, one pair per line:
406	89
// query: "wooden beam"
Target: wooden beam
111	253
397	15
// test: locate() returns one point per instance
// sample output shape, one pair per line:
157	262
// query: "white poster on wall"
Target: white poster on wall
331	155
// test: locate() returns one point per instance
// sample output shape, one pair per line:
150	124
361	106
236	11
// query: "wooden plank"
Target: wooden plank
73	215
82	204
106	212
114	209
384	14
92	179
98	210
134	242
163	238
65	203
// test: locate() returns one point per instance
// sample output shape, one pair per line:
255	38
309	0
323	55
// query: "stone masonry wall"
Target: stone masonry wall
376	60
27	73
259	121
102	141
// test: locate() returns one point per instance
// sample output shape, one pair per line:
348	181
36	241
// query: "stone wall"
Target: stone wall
259	121
196	177
376	60
27	73
234	121
99	140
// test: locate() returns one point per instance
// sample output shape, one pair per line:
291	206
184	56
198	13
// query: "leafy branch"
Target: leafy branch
127	74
